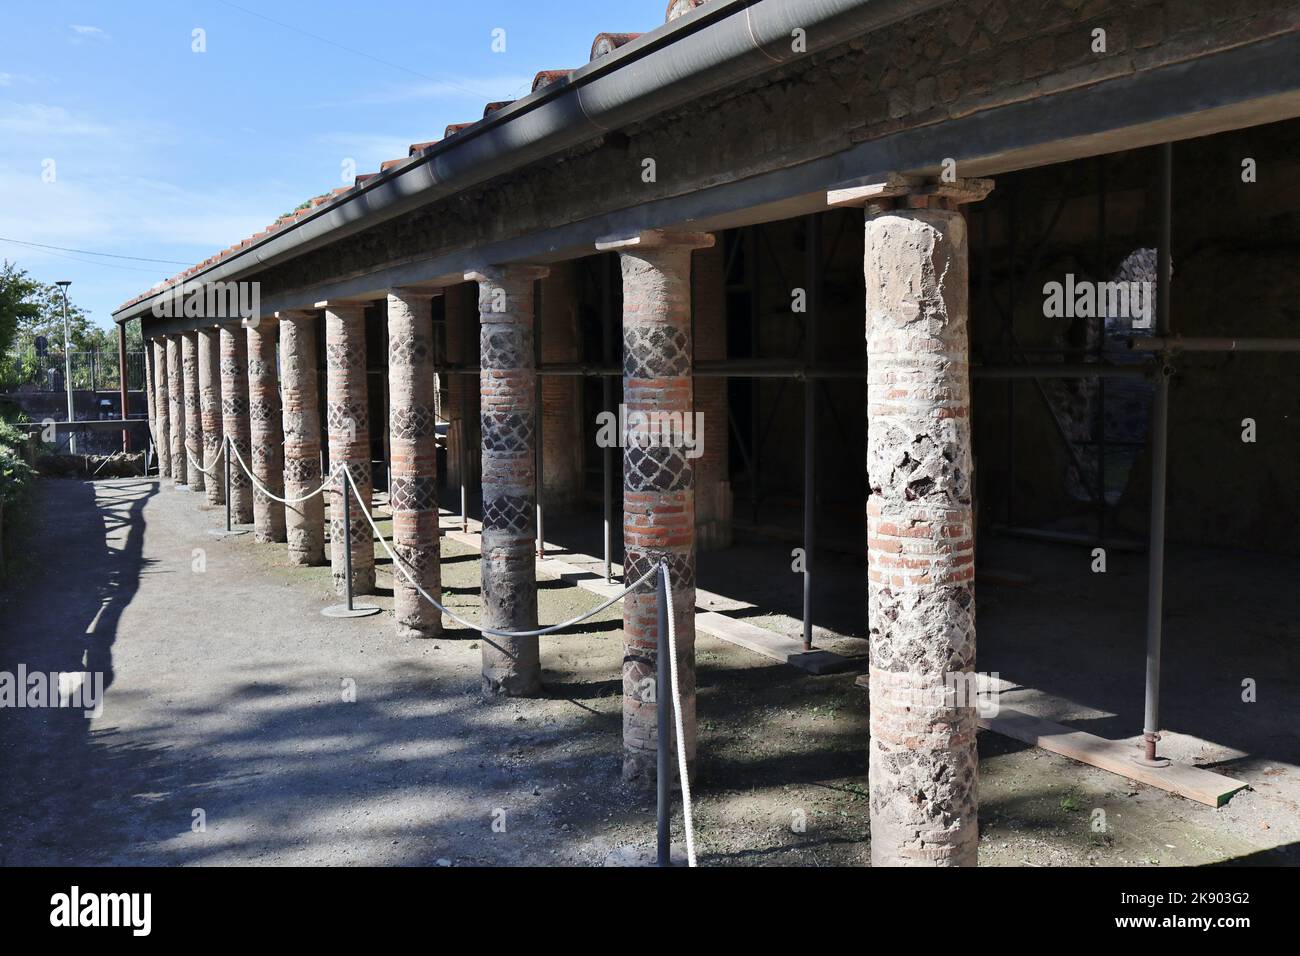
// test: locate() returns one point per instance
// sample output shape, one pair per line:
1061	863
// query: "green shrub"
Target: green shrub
16	478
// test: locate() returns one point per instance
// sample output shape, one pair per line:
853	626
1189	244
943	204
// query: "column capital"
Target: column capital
656	239
889	189
295	315
509	270
346	307
406	292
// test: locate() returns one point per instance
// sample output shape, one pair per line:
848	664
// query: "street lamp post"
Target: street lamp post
67	360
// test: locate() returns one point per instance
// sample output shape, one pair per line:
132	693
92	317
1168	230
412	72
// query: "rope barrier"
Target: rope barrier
677	717
213	464
662	567
401	566
274	497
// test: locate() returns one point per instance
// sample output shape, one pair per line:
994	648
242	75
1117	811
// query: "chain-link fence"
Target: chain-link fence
44	372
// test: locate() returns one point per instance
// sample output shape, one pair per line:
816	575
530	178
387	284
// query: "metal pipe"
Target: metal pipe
1177	343
1098	353
1159	460
467	391
67	361
814	243
755	393
347	541
607	400
716	46
121	383
663	716
539	481
1061	370
225	443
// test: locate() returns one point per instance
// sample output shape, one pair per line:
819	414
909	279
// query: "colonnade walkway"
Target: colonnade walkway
226	695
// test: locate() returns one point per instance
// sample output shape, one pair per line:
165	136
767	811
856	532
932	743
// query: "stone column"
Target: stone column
658	480
194	461
920	523
305	520
561	394
210	411
347	415
234	418
508	403
413	448
712	468
162	420
176	407
264	431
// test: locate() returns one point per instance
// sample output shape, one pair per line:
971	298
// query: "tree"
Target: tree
84	335
18	309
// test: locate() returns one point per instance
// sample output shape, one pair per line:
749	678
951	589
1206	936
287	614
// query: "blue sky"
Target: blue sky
115	137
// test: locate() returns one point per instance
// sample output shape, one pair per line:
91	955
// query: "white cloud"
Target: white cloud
82	33
43	122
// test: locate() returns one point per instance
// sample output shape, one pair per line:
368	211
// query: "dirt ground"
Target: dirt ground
229	736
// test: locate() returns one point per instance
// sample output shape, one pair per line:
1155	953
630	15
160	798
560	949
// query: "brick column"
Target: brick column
508	403
658	481
264	431
305	520
210	410
413	444
176	407
234	418
193	422
347	415
712	468
162	412
561	394
920	523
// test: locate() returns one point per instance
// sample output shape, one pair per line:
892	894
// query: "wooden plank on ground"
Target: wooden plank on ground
1116	756
1194	783
588	573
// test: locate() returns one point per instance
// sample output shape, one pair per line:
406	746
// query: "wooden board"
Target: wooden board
1116	756
588	573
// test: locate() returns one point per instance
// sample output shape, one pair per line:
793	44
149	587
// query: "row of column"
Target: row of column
920	543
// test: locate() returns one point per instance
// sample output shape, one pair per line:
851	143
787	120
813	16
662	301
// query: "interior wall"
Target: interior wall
1235	255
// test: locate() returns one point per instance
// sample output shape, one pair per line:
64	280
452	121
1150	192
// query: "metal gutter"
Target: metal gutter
715	46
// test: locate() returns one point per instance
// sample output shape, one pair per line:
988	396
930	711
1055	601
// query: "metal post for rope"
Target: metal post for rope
348	609
663	701
229	529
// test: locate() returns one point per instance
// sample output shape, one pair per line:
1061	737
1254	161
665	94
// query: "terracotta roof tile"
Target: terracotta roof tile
547	77
609	42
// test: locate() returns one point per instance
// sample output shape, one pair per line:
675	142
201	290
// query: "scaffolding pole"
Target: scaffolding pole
812	303
607	401
1159	462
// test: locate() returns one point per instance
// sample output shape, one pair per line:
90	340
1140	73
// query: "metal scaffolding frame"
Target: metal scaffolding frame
1015	365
